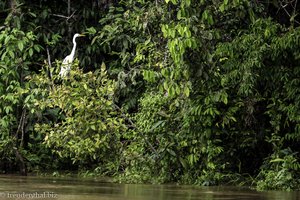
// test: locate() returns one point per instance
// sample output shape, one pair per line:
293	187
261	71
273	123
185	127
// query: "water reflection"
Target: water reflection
13	187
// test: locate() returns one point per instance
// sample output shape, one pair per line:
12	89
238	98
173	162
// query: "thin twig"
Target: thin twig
287	12
49	64
294	11
65	17
69	7
22	128
62	16
69	12
283	6
49	69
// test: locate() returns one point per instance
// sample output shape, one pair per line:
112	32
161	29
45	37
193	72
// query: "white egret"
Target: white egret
67	62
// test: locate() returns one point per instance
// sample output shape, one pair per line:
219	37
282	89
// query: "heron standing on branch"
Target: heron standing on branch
66	64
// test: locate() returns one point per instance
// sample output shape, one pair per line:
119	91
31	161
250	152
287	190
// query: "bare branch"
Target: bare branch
65	17
62	16
49	63
22	127
69	7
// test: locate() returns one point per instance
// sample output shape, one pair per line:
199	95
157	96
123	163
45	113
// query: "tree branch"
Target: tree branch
65	17
49	63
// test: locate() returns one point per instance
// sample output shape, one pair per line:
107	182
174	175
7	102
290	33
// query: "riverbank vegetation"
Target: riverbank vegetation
194	92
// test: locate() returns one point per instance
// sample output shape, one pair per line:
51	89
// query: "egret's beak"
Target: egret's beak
81	35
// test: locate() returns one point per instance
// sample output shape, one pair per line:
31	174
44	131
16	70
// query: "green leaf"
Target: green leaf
157	124
210	20
179	15
91	30
85	86
6	40
30	52
8	109
277	160
171	152
222	7
177	89
186	91
187	32
183	163
188	3
103	67
166	85
20	45
205	14
37	48
171	91
3	55
93	127
11	54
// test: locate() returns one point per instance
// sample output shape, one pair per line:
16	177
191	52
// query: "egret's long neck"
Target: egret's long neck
74	47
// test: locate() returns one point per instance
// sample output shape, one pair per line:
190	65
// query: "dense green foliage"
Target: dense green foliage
198	92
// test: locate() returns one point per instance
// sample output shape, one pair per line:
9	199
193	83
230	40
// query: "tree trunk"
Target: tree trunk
14	13
21	162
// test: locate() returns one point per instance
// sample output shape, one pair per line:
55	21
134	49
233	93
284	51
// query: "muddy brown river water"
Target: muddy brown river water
15	187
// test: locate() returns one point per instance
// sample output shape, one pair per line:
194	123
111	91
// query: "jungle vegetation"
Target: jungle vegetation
190	91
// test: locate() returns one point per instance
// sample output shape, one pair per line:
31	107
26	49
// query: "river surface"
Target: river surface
15	187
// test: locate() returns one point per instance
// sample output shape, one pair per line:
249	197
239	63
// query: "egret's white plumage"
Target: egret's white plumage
67	62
